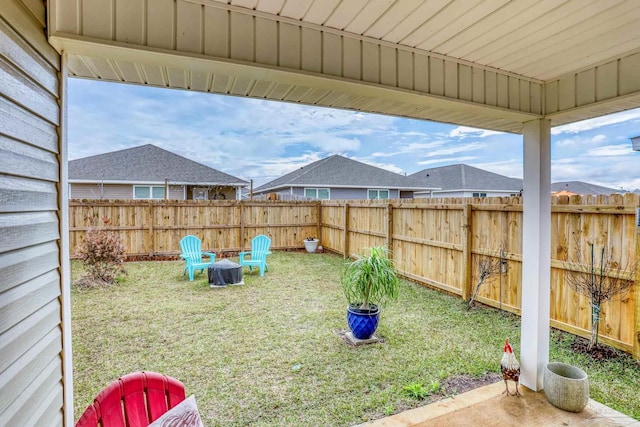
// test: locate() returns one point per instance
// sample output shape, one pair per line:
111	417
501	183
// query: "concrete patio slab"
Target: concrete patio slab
487	406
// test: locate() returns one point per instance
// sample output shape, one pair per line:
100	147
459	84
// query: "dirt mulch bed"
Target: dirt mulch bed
600	352
462	383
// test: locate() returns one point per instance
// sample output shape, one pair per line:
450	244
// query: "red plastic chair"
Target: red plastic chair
134	400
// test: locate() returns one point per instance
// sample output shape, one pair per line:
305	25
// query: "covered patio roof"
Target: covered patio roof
493	64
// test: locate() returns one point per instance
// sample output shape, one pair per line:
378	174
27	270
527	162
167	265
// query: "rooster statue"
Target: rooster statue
510	369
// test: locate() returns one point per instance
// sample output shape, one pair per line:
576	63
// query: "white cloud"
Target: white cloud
614	172
511	167
441	147
447	160
597	122
387	166
412	148
581	141
570	170
453	149
464	131
610	150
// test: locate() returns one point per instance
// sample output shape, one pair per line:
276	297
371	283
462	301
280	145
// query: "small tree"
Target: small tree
103	253
600	279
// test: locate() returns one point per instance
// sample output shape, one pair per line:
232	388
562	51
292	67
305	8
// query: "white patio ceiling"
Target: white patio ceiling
493	64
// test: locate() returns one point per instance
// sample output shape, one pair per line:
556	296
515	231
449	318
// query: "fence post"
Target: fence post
241	226
319	215
467	274
152	239
636	297
346	230
389	242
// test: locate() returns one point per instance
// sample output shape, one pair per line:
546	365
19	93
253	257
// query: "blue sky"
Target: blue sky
261	140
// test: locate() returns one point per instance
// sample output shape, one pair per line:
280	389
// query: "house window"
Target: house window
148	192
200	194
479	194
317	193
378	194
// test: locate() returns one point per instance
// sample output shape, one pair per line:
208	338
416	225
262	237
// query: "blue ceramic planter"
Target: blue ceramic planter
363	323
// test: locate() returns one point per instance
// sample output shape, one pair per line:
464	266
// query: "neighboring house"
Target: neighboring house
462	180
571	188
149	172
337	177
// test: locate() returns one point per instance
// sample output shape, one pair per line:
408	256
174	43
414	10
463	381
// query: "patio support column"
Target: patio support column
536	253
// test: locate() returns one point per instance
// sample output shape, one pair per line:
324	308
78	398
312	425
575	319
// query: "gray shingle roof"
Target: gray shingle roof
465	177
580	187
147	163
339	171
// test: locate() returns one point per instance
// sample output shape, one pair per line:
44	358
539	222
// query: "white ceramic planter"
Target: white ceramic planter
311	245
566	386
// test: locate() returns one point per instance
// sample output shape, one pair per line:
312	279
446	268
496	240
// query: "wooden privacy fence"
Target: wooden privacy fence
155	227
436	242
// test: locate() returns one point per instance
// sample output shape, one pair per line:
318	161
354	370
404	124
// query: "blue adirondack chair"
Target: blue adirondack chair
192	254
257	257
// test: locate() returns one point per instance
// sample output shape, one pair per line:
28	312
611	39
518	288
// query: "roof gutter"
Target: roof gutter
115	181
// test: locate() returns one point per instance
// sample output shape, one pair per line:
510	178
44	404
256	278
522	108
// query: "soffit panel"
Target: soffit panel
539	39
278	86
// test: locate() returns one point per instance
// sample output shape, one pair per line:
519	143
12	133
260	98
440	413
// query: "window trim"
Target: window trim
378	190
150	188
317	189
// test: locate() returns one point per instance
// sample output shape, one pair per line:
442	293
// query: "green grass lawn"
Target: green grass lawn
270	353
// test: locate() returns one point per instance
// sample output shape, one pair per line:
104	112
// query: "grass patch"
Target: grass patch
269	353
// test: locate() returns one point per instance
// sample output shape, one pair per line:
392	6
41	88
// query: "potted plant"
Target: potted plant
368	282
311	244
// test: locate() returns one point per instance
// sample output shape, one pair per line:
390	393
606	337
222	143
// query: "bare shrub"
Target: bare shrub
486	268
103	254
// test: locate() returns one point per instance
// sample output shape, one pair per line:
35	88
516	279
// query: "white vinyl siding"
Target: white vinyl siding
317	193
31	289
377	194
